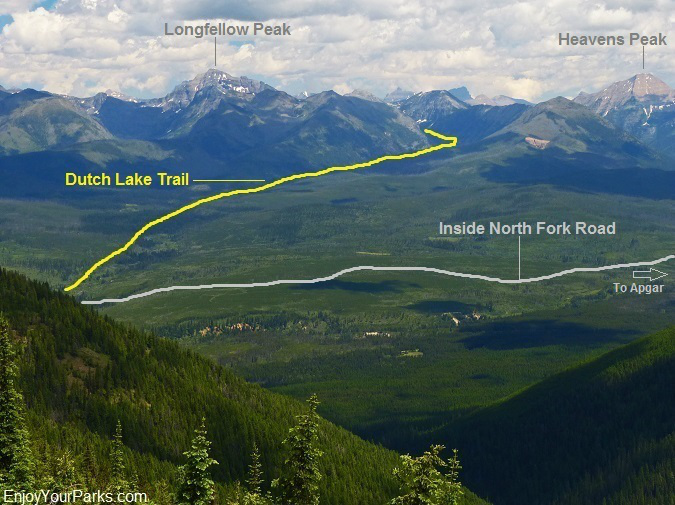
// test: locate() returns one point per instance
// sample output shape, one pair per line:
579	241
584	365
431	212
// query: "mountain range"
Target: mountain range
244	127
600	432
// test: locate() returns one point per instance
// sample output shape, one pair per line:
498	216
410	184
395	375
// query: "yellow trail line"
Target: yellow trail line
450	142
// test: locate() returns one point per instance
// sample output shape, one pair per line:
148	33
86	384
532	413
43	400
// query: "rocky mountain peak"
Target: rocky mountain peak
641	87
213	80
119	96
648	84
482	100
363	94
398	95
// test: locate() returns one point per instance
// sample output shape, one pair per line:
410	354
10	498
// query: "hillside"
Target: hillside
601	432
573	128
81	372
32	121
564	143
476	123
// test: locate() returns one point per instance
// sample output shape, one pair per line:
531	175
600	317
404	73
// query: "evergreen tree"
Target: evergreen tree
255	476
423	484
162	493
254	494
299	482
452	490
195	486
90	467
16	461
63	473
118	482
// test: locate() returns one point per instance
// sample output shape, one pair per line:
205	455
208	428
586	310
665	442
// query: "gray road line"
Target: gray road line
379	269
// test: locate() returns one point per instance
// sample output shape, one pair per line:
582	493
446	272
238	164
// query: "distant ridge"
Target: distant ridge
496	101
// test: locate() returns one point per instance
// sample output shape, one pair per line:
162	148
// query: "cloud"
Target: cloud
14	6
36	32
496	47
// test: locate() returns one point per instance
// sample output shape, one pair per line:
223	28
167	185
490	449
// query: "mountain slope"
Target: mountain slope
475	123
643	106
351	128
573	128
599	433
32	121
563	143
85	372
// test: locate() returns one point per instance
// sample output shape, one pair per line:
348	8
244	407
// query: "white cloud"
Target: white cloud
495	47
602	17
117	15
13	6
35	32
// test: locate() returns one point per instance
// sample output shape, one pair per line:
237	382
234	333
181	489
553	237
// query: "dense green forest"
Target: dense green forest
369	383
600	433
84	377
105	402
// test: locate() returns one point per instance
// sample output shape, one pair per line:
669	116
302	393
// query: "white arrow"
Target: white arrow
648	274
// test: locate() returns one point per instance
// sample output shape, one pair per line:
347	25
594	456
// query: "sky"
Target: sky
81	47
